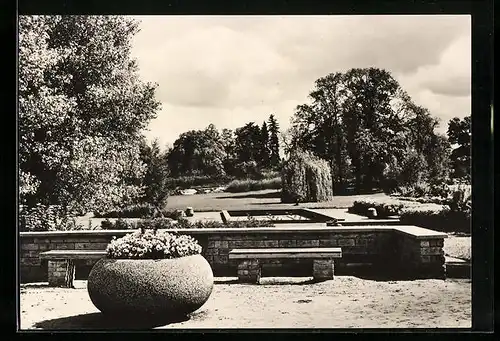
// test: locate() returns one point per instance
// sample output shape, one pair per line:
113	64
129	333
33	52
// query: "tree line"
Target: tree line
373	135
83	109
242	152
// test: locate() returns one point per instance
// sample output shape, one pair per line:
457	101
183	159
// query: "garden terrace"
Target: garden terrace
395	250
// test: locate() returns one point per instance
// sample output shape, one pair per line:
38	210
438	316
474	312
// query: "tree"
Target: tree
369	130
198	152
459	134
82	109
319	126
265	154
155	178
274	146
248	143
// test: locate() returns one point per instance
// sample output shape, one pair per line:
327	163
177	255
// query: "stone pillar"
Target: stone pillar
61	273
323	269
249	271
430	260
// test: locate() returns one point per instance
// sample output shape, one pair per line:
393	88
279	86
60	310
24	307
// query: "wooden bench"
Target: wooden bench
249	267
61	266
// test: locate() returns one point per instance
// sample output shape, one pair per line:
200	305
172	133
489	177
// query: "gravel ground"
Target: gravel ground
345	302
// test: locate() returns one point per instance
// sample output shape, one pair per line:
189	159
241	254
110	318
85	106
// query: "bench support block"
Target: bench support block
249	271
61	273
323	270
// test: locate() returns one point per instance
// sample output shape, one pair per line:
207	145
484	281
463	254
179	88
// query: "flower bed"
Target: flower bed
166	223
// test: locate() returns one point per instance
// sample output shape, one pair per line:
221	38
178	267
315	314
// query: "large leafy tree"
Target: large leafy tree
82	109
248	142
155	178
369	130
198	152
459	134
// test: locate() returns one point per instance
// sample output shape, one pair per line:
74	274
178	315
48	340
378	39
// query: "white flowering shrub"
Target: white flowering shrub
152	244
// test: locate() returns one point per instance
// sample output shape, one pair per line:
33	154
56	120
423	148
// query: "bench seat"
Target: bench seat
73	254
286	253
61	266
249	267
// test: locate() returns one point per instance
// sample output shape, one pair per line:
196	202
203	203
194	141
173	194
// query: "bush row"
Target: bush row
197	180
166	223
237	186
384	209
144	210
445	220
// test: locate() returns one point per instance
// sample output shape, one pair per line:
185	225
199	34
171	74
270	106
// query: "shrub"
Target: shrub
384	210
143	210
152	244
119	224
444	220
238	186
197	180
306	178
166	223
42	218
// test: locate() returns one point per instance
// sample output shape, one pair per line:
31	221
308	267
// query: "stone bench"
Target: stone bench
249	267
61	266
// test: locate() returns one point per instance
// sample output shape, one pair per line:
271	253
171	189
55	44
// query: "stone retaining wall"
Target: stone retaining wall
408	249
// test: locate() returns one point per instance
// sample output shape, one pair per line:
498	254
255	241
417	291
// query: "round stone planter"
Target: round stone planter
163	287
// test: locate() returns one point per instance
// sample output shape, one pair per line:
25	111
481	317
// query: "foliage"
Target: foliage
248	143
143	210
198	152
155	178
185	182
445	220
273	146
384	210
152	244
46	218
369	130
459	133
264	152
166	223
306	178
82	108
237	186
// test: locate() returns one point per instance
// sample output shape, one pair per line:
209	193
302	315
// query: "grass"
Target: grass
248	185
268	199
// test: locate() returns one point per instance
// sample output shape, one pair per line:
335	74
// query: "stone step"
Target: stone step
457	268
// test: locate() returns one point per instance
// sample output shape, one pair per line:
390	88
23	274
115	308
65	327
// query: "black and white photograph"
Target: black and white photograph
188	172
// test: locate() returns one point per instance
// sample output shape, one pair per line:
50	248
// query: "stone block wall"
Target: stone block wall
379	247
421	257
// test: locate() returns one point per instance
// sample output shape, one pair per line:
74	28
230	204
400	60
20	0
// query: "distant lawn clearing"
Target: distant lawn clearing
267	199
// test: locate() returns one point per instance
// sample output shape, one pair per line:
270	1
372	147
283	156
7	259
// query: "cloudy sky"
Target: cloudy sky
230	70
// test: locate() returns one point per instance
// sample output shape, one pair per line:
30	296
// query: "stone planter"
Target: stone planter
163	287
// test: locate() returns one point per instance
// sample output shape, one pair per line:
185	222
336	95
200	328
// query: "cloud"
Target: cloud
229	70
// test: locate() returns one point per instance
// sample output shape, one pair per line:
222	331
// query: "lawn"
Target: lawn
345	302
256	199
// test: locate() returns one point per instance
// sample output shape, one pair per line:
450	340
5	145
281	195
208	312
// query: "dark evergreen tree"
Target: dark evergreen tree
274	146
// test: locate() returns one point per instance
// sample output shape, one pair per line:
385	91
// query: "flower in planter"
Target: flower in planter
152	244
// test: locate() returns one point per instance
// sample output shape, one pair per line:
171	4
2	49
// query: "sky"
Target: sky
231	70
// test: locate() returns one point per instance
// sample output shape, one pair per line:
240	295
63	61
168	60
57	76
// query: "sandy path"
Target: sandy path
346	302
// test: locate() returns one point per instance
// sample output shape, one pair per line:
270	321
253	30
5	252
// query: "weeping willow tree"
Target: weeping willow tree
306	178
